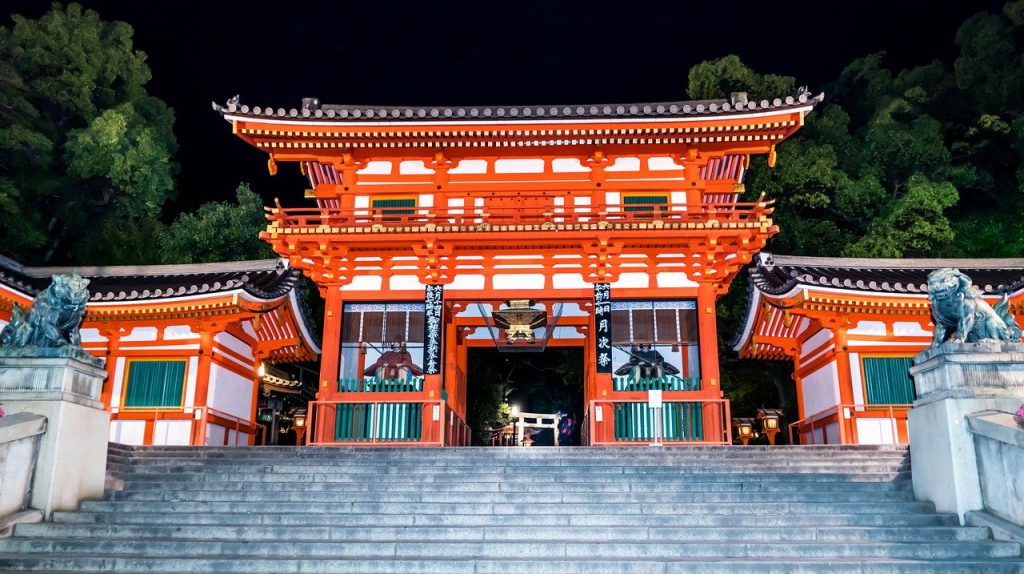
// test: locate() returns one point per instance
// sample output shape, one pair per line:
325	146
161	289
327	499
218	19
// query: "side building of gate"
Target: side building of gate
431	230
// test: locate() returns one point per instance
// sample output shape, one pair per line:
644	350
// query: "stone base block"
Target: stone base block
72	459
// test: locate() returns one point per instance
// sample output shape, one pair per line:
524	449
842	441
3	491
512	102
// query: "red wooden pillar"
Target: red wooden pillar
113	347
330	361
203	380
848	426
709	378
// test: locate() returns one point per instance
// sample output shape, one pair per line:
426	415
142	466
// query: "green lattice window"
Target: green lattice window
644	202
154	384
887	380
395	206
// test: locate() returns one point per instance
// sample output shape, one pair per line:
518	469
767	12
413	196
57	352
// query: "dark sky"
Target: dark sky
484	52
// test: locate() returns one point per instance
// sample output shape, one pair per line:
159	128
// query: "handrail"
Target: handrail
301	217
850	412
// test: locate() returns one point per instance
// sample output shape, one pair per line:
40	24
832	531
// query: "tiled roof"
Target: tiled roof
312	110
778	274
263	279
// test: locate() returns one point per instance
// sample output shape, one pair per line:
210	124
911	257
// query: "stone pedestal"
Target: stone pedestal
953	381
71	464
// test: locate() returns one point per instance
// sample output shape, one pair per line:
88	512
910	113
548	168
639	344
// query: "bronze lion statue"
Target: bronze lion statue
53	319
961	315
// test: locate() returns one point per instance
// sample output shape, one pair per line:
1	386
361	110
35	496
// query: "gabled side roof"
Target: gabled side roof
779	274
263	279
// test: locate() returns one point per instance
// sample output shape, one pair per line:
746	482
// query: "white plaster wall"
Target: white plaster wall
632	280
868	328
470	166
128	432
141	334
405	283
178	433
519	281
875	431
519	166
475	282
856	379
675	279
376	168
413	167
180	332
816	340
118	382
909	329
820	389
832	433
364	283
230	393
230	341
625	164
569	281
568	165
214	435
662	164
88	335
190	381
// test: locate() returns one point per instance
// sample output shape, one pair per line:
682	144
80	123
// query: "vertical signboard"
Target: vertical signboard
603	326
432	329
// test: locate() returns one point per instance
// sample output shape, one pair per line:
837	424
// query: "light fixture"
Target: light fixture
515	410
261	370
770	419
744	429
299	420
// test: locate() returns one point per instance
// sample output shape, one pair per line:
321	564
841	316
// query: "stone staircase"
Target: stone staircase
533	510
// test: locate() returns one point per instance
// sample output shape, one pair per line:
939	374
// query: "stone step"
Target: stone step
538	549
723	508
504	533
233	519
433	454
341	496
620	468
83	564
693	476
522	487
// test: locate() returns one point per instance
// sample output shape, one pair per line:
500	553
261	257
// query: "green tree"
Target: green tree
218	231
717	78
87	149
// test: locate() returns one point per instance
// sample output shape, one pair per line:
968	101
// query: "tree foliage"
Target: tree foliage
218	231
83	147
923	162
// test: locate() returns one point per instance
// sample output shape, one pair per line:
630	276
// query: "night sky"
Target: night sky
275	53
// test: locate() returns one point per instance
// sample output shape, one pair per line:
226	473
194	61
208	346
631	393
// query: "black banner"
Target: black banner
433	328
603	326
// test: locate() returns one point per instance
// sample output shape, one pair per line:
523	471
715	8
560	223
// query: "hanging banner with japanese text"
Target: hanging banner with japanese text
603	326
432	329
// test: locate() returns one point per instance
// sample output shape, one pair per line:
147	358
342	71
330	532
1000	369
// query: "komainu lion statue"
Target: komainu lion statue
53	319
961	315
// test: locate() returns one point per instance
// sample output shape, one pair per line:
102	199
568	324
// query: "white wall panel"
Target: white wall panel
230	393
128	432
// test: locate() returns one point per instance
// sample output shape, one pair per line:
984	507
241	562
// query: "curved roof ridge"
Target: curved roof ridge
159	270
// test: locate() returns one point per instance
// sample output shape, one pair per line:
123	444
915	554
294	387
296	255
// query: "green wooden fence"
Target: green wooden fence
413	385
888	380
375	422
670	383
680	421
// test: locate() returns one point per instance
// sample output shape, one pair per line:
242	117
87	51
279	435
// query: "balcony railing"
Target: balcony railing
551	217
669	383
892	417
364	385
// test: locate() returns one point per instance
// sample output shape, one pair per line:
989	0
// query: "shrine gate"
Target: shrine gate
435	229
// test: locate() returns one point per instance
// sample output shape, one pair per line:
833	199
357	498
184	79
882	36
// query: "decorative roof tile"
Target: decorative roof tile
313	110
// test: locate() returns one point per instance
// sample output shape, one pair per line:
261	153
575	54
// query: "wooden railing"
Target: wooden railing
349	422
475	216
199	419
624	422
362	385
845	418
